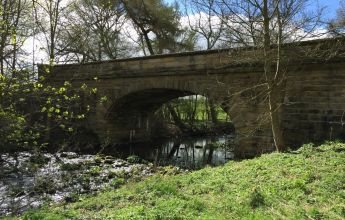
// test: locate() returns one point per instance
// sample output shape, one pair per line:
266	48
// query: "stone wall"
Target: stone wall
314	108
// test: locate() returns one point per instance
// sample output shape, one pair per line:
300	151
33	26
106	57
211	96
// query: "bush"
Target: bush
31	109
94	171
70	166
12	131
117	182
39	159
45	185
133	159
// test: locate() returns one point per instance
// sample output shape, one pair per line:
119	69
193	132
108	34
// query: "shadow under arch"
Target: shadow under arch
142	103
135	111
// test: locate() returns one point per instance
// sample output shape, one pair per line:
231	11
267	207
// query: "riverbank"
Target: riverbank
29	180
304	184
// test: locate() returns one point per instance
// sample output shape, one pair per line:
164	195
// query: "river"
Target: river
188	152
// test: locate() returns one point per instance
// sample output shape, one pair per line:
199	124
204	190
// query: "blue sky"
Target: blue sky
331	6
331	9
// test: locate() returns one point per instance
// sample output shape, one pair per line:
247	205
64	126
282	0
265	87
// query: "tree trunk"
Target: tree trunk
273	83
213	112
175	117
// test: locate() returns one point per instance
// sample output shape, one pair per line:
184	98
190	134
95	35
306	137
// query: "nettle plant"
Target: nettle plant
31	111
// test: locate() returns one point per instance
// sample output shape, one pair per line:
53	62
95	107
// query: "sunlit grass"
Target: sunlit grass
305	184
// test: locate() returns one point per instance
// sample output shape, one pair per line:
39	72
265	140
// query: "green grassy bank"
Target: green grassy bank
306	184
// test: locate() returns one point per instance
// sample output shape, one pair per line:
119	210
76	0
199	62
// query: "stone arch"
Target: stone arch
140	105
148	93
140	98
131	110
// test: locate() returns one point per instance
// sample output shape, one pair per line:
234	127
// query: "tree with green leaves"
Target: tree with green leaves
157	24
15	28
30	108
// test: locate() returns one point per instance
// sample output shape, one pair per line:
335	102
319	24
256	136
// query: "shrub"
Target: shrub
117	182
70	166
31	109
133	159
95	170
12	130
45	184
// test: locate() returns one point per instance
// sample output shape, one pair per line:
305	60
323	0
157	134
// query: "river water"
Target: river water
190	153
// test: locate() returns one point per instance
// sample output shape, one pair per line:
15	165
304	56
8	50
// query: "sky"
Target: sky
331	6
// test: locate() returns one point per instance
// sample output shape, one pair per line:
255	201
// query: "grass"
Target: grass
305	184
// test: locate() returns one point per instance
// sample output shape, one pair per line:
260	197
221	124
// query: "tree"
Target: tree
93	32
26	103
202	20
154	17
48	17
266	25
14	30
337	26
157	24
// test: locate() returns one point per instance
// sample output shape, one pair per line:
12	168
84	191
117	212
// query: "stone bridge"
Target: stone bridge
313	108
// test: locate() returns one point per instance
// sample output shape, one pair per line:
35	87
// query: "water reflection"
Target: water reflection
196	153
191	153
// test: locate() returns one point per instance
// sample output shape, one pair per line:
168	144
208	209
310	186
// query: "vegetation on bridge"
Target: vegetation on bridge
304	184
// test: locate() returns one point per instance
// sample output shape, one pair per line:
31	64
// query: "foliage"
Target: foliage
45	184
117	182
191	110
39	159
14	30
158	26
12	129
70	166
134	159
214	145
31	110
307	183
95	170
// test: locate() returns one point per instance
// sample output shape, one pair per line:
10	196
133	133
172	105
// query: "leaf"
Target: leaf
94	90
